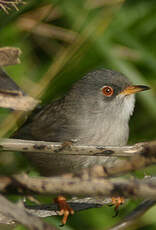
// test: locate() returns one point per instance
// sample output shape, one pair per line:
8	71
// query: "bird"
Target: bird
95	111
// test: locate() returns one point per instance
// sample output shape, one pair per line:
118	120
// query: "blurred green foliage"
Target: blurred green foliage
61	40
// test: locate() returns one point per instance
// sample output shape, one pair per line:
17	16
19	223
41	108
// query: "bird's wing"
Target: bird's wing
50	124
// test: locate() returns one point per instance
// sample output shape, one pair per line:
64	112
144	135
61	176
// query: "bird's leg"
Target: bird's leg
65	209
117	201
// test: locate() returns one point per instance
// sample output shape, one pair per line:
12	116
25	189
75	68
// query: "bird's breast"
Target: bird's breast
104	132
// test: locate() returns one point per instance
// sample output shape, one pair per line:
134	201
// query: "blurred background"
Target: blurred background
61	40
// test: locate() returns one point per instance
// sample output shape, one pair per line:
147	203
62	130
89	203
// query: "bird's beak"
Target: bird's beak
134	89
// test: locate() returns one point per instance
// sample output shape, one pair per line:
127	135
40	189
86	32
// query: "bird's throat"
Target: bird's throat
109	126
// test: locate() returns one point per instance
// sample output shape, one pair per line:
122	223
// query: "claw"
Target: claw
65	209
117	201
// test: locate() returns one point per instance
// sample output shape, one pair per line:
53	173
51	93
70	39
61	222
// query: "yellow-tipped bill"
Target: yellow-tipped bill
134	89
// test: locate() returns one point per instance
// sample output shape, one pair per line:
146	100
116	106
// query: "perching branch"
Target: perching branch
22	184
52	209
75	203
119	160
73	148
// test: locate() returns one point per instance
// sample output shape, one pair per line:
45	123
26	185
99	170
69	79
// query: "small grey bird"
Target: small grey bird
95	111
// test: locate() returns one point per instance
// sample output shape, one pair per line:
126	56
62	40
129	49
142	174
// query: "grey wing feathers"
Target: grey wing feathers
46	125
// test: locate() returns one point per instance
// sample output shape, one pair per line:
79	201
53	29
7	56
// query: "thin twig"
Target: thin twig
17	213
6	5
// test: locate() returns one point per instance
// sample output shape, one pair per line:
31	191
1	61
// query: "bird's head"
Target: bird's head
108	92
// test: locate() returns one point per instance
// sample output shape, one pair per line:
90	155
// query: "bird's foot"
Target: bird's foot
117	201
65	209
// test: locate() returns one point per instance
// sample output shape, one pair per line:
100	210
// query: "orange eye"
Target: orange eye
107	91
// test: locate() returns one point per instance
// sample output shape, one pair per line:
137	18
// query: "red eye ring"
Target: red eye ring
107	91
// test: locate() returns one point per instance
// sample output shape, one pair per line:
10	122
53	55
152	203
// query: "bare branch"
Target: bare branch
46	30
75	203
17	102
119	160
131	219
9	56
17	213
72	149
68	185
89	187
11	96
